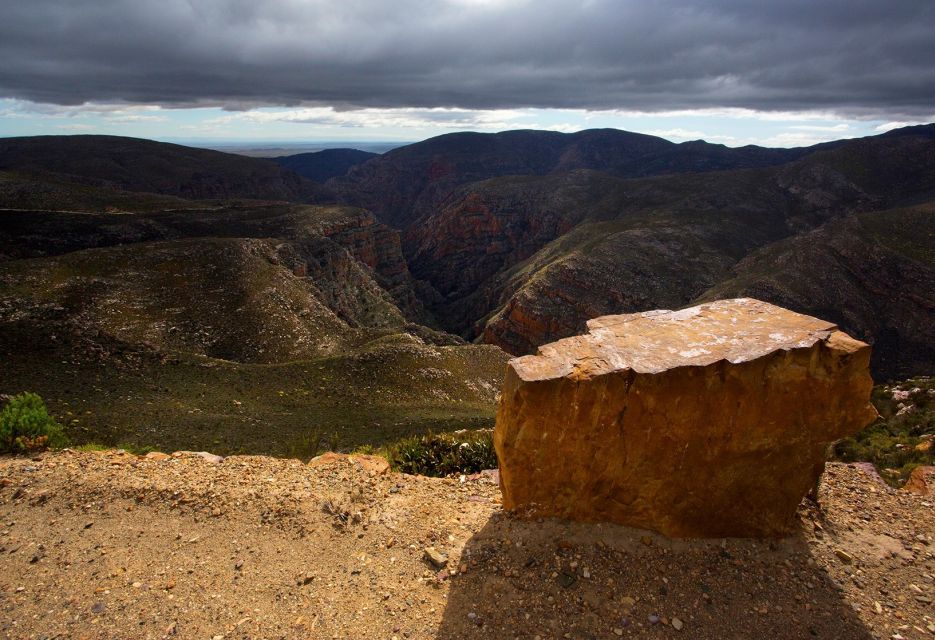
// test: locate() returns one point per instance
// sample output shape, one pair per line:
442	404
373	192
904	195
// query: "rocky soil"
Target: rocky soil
106	544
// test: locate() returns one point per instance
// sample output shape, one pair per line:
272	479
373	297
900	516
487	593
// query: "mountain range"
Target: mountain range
383	293
518	238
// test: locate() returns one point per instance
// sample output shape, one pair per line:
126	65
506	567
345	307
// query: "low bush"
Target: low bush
129	447
904	436
443	454
26	426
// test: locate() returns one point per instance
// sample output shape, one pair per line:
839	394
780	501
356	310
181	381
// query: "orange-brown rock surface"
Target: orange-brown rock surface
373	465
709	421
921	481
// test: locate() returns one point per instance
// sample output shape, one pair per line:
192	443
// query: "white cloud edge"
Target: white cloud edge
454	119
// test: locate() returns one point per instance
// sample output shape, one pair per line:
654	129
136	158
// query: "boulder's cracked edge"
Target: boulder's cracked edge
737	330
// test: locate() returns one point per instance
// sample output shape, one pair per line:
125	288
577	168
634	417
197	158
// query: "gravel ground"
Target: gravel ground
110	545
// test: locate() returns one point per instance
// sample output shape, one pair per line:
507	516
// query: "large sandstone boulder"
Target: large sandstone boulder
709	421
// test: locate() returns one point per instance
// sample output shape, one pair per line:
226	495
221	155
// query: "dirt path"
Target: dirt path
108	545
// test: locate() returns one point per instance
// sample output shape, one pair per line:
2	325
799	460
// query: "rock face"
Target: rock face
709	421
921	481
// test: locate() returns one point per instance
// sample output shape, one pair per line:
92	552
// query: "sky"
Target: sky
736	72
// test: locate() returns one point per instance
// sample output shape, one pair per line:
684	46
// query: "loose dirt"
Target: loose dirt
111	545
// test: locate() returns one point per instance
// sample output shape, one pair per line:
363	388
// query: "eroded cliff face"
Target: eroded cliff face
460	251
614	269
709	421
378	247
521	261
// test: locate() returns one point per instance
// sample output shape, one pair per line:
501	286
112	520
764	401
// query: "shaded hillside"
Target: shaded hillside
873	274
25	191
115	393
408	183
133	164
325	164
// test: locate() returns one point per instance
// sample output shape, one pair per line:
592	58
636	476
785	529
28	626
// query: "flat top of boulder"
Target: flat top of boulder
736	330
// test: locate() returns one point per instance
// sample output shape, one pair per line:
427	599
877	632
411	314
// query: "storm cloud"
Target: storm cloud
857	57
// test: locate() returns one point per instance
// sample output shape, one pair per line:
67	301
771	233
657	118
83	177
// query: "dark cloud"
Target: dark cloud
859	57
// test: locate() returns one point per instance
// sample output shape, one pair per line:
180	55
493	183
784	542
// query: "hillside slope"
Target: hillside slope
278	329
235	299
124	394
23	191
320	236
873	273
134	164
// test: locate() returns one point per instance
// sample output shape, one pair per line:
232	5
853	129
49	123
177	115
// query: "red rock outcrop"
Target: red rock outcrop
709	421
373	465
378	247
921	481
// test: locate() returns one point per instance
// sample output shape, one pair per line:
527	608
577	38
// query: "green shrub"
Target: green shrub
443	454
895	443
25	425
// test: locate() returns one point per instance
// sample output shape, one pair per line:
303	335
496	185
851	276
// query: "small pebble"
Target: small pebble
844	556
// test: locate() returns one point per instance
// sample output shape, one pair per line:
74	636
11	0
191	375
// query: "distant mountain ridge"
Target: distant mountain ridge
138	165
323	165
402	185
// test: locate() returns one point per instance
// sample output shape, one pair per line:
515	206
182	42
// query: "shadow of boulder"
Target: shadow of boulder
554	579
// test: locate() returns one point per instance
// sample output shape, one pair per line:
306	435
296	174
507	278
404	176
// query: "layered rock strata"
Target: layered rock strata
710	421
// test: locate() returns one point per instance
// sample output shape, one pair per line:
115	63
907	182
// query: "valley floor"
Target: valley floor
110	545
